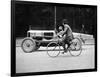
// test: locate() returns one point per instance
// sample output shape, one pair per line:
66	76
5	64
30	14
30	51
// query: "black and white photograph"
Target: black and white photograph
54	38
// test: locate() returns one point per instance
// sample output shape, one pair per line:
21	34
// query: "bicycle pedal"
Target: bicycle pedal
63	52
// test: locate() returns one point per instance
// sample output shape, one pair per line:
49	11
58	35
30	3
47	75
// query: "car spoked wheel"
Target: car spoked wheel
76	47
28	45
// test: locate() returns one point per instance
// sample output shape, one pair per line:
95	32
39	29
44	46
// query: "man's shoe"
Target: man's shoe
65	51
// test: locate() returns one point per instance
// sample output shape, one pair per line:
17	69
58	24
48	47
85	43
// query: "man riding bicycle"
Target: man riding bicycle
65	33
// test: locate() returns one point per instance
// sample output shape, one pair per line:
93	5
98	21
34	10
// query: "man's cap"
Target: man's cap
65	21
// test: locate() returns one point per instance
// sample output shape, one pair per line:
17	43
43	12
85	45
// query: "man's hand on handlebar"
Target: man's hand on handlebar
60	34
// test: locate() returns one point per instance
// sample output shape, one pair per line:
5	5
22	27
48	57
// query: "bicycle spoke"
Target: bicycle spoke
53	49
75	49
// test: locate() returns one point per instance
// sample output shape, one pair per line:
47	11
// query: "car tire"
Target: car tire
28	45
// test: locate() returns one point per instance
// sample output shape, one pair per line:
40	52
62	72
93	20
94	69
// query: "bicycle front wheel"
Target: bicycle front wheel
53	49
76	47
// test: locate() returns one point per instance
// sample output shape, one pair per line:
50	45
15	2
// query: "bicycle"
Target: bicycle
75	49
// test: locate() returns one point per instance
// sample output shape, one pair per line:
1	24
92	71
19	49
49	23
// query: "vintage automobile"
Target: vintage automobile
37	38
42	37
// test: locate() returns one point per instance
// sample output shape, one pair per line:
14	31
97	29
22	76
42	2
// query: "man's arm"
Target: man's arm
65	29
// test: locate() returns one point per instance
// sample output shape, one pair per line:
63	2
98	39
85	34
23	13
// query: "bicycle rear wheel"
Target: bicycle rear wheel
53	49
76	47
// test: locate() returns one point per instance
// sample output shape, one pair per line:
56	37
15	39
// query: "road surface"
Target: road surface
39	61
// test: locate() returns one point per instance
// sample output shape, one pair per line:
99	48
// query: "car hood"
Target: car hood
39	31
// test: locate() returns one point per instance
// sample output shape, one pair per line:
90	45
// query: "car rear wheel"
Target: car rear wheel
28	45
